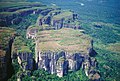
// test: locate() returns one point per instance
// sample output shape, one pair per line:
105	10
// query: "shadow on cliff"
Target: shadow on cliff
93	53
10	69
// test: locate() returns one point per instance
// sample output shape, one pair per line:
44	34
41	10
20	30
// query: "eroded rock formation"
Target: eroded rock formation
60	51
59	19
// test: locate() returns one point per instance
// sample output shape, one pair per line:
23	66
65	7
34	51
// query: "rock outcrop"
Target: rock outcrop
58	19
60	51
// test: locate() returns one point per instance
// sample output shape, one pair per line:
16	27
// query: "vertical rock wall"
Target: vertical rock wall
59	62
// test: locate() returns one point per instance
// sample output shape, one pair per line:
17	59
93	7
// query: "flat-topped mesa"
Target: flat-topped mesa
58	50
6	38
59	19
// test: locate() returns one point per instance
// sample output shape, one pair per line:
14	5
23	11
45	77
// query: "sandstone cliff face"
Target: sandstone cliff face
62	62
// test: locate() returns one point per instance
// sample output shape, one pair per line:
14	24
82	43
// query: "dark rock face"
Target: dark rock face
61	67
75	16
58	24
25	13
3	67
8	57
46	20
78	59
26	60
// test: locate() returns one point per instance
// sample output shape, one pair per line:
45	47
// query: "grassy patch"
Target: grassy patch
19	45
65	39
2	53
115	47
5	35
64	14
